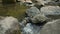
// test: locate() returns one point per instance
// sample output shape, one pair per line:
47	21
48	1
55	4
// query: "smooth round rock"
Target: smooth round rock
39	18
32	11
52	27
51	10
8	25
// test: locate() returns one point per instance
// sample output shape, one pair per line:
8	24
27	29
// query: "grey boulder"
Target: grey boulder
32	11
43	2
8	25
39	18
50	10
52	27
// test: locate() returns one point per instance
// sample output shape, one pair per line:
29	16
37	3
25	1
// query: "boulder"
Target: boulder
55	3
40	18
46	2
9	25
51	10
40	2
28	4
52	27
32	11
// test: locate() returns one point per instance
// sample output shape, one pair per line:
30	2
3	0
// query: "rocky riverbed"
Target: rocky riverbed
43	20
43	17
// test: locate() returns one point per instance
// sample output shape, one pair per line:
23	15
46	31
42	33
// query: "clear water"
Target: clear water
15	10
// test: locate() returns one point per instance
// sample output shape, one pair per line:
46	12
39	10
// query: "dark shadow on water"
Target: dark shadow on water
13	9
8	1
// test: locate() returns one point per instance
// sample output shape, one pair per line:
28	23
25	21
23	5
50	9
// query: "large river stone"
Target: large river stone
42	2
40	18
51	11
9	25
32	11
52	27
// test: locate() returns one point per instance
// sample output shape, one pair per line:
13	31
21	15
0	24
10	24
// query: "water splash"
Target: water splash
31	29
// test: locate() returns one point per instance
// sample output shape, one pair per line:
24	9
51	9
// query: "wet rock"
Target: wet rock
46	2
51	11
56	3
32	11
40	18
52	27
8	25
24	22
21	1
28	4
40	2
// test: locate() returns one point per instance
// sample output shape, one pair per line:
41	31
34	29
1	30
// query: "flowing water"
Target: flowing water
16	10
31	29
